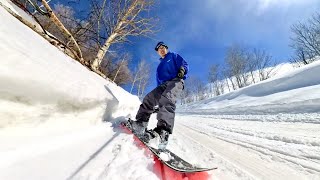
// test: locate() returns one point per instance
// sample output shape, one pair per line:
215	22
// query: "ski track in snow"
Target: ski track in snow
255	149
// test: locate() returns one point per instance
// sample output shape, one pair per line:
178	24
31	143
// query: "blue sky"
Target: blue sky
200	31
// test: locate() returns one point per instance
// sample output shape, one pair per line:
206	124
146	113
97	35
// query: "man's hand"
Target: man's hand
181	72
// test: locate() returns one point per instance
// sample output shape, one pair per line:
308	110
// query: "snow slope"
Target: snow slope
51	113
58	121
297	91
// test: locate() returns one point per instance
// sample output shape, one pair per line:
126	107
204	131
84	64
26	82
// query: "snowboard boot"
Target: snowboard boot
138	127
157	138
149	135
164	137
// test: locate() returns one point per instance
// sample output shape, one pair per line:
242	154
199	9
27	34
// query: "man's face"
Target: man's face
162	51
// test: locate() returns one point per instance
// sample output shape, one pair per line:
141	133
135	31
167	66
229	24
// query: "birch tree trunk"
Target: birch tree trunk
133	82
95	63
65	32
120	18
115	76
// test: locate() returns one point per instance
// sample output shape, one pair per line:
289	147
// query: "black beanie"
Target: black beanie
160	44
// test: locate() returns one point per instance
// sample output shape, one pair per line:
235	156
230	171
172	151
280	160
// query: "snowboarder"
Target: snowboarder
171	73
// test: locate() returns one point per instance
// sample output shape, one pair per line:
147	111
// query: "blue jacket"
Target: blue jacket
169	67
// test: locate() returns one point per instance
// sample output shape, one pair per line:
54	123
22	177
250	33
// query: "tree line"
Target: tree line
243	66
92	39
92	36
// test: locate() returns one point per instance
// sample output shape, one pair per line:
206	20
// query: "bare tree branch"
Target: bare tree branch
306	40
120	19
55	19
142	77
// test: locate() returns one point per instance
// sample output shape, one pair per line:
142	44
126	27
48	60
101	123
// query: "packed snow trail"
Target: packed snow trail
255	149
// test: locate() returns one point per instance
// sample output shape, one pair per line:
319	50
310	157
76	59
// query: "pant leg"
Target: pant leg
148	104
167	104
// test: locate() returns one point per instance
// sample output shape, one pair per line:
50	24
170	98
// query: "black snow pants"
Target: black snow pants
165	96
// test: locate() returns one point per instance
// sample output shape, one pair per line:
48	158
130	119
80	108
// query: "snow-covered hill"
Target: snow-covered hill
296	91
52	111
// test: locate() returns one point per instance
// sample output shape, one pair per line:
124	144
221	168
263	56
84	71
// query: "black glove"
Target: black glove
181	72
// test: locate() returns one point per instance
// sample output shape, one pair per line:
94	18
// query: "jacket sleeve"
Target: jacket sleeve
181	62
157	78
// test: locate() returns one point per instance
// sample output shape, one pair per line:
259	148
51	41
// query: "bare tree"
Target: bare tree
143	83
115	20
306	39
215	79
227	76
64	30
252	65
187	93
300	58
78	28
185	96
201	90
141	78
237	65
32	6
122	74
197	87
115	67
264	63
190	87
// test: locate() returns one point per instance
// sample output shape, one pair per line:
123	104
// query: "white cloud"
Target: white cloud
253	7
265	5
224	22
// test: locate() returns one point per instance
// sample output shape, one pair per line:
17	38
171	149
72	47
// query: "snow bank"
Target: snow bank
296	91
39	83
